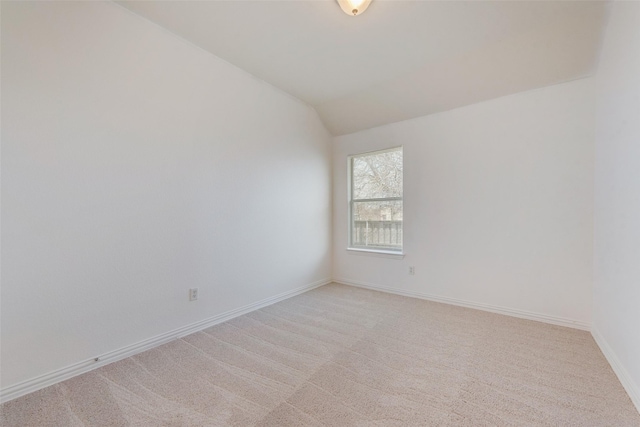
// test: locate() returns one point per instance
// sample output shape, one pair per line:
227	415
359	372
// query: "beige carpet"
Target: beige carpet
343	356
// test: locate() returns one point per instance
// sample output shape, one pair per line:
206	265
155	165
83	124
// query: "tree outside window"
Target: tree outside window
376	200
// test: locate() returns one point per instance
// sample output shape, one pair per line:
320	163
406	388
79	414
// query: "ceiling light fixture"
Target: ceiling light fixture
353	7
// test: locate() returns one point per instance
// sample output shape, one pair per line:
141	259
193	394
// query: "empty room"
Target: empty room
320	213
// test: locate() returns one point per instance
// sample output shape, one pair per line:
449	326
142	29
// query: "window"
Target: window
375	201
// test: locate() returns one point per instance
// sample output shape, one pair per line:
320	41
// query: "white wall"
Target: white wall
136	166
616	303
498	205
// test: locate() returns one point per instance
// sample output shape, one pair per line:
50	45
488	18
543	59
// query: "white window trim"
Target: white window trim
376	252
371	250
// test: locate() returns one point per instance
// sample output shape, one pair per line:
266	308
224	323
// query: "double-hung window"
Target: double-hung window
375	201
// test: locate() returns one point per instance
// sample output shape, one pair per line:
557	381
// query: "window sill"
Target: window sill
376	252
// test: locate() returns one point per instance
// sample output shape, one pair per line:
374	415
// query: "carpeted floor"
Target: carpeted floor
343	356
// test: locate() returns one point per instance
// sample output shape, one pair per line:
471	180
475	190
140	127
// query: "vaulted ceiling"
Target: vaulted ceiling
398	60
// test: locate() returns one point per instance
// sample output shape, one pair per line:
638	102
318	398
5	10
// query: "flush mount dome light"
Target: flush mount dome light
353	7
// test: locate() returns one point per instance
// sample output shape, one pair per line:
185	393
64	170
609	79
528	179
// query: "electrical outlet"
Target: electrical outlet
412	270
193	294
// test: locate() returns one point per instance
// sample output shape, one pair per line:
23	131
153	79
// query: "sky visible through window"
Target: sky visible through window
376	200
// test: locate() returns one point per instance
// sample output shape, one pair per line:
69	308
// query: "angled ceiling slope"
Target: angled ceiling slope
400	59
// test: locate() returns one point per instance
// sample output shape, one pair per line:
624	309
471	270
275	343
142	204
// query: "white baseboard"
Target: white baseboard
59	375
523	314
633	389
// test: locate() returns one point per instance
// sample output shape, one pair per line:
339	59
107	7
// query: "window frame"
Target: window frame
350	203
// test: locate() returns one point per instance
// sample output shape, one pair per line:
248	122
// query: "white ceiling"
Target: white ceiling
400	59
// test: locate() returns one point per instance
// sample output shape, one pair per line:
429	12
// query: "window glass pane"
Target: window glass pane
377	224
378	175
